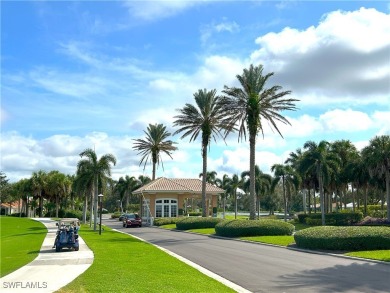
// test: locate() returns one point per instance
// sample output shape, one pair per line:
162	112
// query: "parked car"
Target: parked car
132	220
121	217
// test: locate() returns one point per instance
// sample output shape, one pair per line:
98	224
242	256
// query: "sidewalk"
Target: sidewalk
51	270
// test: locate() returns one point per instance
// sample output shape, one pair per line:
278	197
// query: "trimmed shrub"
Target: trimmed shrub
194	214
344	238
116	215
197	223
240	228
302	218
165	221
18	215
335	219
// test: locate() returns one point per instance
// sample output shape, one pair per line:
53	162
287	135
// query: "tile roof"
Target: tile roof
163	184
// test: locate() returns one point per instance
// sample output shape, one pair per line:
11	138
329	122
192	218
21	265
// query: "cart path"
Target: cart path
51	270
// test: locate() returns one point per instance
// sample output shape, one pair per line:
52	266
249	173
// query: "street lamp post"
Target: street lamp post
101	207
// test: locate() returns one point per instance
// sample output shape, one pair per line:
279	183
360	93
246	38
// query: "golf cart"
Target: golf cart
67	234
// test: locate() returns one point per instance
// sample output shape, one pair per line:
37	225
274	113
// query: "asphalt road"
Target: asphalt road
262	268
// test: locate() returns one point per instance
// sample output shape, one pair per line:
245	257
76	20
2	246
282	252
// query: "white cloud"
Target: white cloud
340	59
345	120
154	10
208	30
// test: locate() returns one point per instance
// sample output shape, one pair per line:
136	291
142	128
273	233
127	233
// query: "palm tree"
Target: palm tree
249	106
377	156
38	184
262	185
319	159
58	185
290	179
235	182
155	142
95	172
211	177
206	118
125	186
223	183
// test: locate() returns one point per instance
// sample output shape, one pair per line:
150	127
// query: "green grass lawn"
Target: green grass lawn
21	240
276	240
383	255
125	264
205	231
168	226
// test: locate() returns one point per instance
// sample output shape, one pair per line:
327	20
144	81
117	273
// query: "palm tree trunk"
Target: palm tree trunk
235	204
353	198
252	195
204	177
91	207
56	206
95	206
365	200
388	193
85	208
321	195
154	171
309	201
285	200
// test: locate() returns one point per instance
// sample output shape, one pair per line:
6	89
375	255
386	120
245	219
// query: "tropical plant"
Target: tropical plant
290	180
38	184
377	157
211	177
206	118
155	143
234	183
125	186
224	183
94	172
319	159
262	185
249	106
58	186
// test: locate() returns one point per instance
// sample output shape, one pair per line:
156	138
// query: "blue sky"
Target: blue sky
93	74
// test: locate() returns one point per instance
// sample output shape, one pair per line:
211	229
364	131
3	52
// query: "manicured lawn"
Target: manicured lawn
383	255
168	226
205	231
125	264
276	240
21	240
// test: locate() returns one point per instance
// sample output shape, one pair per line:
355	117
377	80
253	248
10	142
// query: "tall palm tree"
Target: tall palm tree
206	118
262	184
155	143
377	156
96	172
290	180
319	159
249	106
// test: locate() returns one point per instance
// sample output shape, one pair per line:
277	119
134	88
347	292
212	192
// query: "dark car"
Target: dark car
132	220
122	217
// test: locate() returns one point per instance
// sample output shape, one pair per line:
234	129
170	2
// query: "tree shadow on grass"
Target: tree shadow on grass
356	277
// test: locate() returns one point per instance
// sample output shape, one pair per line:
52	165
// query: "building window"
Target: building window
166	208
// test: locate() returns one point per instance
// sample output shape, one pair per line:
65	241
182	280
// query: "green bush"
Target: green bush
239	228
18	215
194	214
344	238
116	215
302	218
197	223
165	221
335	219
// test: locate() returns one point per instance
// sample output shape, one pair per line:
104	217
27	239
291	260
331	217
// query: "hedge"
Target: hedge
344	238
165	221
197	223
240	228
332	219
